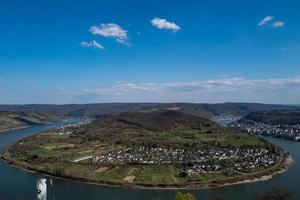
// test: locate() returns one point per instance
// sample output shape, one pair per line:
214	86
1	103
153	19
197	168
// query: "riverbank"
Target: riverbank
13	129
27	126
249	178
287	162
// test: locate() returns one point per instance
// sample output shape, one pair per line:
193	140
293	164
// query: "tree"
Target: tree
276	193
186	196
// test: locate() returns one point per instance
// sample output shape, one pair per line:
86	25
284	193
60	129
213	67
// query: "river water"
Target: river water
19	184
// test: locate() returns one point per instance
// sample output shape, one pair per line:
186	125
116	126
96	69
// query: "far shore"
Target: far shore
22	127
13	129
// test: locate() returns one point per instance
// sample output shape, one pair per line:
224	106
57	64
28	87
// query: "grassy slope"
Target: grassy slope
14	120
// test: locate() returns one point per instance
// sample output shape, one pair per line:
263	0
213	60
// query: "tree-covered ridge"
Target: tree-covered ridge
275	117
200	109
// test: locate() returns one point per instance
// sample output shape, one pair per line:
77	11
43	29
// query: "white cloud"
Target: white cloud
228	89
121	88
273	90
93	44
268	19
236	83
265	20
278	24
164	24
111	30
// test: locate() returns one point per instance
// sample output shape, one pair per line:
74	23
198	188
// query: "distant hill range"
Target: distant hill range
202	110
16	120
274	117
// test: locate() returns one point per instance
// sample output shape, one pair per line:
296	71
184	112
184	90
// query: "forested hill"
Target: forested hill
199	109
158	120
275	117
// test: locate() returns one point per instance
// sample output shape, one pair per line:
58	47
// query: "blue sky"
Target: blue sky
63	51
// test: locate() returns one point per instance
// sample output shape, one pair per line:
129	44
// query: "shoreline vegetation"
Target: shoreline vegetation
249	178
273	193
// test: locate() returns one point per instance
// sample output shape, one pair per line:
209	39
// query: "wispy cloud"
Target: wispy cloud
236	83
111	30
268	90
93	44
215	90
265	21
164	24
1	80
268	21
278	24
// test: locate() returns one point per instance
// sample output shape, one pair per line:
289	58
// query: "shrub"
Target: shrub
186	196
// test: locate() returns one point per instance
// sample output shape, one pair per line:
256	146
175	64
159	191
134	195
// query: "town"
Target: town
224	117
67	129
245	159
290	132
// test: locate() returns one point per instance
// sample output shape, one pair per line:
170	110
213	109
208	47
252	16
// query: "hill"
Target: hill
275	117
151	127
16	120
203	110
158	120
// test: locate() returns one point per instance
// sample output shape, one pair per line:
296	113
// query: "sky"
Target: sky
63	51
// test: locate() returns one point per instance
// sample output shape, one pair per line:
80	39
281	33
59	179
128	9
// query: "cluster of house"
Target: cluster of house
225	117
195	161
291	132
243	160
66	128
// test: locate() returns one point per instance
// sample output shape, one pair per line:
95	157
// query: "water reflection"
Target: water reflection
41	189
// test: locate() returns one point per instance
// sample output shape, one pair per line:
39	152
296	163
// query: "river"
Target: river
19	184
